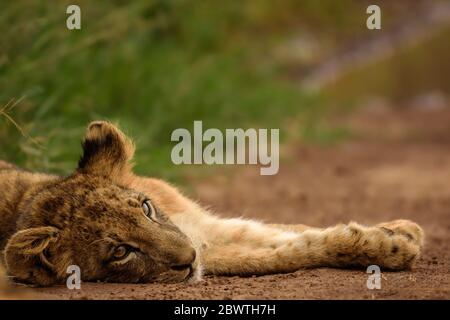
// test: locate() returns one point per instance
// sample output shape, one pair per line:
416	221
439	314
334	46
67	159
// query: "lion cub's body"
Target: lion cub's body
222	246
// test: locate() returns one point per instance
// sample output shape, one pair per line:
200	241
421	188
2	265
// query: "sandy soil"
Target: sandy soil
397	166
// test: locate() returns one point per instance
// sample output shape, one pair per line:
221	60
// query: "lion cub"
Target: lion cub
119	227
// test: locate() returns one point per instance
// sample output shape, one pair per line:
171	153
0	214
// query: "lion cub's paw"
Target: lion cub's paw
408	229
391	248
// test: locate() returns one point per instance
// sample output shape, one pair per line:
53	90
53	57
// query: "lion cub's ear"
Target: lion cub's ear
25	256
106	151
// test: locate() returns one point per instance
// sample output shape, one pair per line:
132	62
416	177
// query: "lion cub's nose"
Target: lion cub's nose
185	261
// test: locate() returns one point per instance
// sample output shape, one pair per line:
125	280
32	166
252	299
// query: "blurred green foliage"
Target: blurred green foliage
153	66
419	69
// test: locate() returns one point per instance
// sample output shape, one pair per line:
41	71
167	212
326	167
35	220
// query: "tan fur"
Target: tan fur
48	223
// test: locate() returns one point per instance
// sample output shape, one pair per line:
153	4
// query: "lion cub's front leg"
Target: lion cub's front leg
261	249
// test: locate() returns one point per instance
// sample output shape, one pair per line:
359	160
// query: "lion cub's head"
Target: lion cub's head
91	219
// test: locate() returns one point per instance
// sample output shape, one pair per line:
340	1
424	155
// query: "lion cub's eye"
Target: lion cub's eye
121	252
149	211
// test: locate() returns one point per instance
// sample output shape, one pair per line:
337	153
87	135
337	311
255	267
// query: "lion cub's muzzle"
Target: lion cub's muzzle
173	252
184	268
185	262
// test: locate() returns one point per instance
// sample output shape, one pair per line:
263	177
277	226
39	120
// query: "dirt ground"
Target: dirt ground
396	166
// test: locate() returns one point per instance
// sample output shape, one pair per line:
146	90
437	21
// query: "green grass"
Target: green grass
153	66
